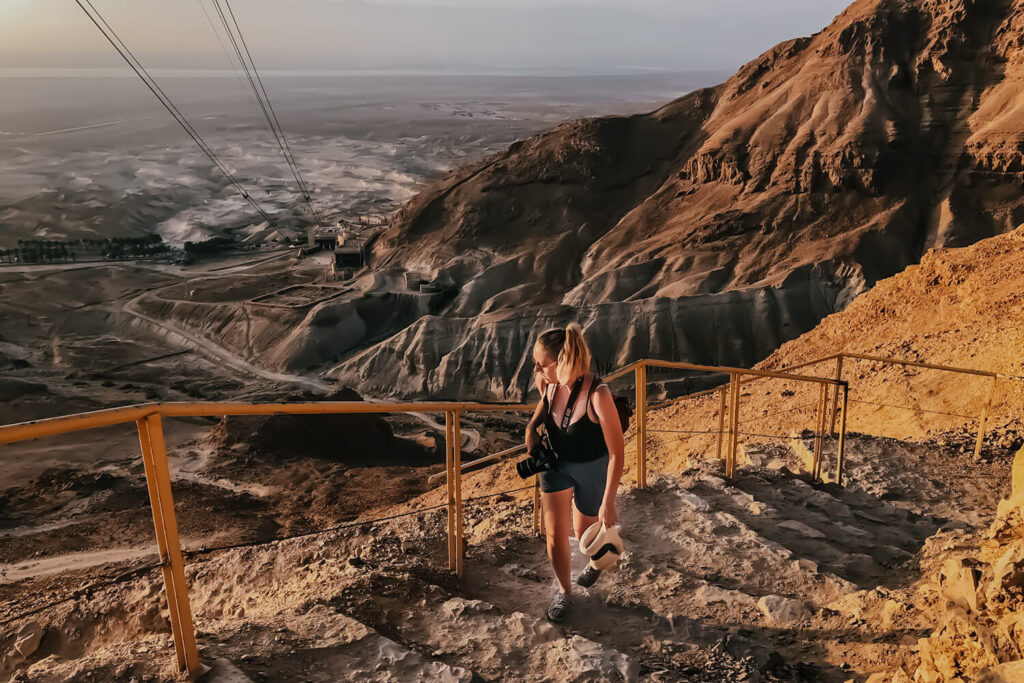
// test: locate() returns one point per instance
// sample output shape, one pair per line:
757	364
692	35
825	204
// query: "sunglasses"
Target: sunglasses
538	366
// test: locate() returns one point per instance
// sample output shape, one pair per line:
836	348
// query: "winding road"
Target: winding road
471	437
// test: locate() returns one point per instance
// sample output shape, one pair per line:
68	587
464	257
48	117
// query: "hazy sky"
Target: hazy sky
460	35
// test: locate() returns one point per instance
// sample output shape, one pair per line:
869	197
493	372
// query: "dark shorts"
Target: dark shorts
586	479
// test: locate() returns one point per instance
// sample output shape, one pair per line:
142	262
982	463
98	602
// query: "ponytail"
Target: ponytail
567	346
574	361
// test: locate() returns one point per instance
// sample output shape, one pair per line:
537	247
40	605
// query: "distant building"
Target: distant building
346	244
351	255
320	239
324	242
413	281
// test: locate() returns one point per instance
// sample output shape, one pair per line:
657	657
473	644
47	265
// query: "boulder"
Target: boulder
28	639
959	583
782	611
1008	672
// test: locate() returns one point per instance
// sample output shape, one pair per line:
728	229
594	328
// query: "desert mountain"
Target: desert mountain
822	166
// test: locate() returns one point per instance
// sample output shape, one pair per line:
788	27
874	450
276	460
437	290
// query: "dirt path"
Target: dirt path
10	573
703	554
471	437
221	354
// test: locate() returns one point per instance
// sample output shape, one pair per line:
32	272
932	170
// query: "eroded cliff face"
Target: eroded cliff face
824	165
489	355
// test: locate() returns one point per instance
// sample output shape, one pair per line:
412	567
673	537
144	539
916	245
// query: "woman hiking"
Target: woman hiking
586	436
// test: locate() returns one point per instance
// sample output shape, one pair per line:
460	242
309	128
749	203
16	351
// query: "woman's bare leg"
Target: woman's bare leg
580	521
557	521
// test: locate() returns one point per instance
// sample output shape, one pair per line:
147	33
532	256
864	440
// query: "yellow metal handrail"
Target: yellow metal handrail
931	366
148	420
986	406
785	369
640	369
839	358
50	426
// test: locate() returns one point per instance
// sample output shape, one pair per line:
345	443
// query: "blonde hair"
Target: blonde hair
569	347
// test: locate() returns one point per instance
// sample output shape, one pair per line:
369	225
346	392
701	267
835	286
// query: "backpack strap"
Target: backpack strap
547	399
593	386
571	403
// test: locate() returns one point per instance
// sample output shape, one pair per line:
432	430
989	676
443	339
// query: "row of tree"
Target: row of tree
53	251
210	246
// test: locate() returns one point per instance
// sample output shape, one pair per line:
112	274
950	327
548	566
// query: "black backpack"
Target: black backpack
621	405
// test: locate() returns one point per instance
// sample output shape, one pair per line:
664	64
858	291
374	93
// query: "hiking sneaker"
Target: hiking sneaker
588	576
559	606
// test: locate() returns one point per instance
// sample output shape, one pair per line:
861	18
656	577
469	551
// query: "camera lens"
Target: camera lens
526	468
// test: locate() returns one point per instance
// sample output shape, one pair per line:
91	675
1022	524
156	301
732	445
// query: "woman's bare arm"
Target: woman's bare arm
604	406
532	437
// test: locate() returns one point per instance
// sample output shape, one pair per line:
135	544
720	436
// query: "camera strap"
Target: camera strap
571	404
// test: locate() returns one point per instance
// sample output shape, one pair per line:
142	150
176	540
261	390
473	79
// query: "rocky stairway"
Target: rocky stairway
765	577
721	577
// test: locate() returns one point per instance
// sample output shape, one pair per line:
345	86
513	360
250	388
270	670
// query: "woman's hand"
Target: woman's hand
607	515
540	382
532	440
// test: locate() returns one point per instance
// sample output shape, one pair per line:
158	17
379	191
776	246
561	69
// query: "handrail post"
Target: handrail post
721	422
640	379
537	514
983	420
820	427
835	398
158	483
734	414
841	455
449	460
457	465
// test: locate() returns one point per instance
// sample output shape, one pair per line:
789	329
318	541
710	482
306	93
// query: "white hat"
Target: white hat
602	544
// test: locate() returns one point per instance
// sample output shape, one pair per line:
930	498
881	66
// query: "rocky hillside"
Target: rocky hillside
976	599
961	307
822	166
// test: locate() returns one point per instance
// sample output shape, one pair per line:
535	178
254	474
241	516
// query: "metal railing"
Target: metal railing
841	404
729	410
736	375
981	417
148	420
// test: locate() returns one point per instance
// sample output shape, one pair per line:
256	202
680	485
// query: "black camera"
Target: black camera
541	459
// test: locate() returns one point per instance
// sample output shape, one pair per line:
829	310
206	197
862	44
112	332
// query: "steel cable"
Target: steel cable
129	57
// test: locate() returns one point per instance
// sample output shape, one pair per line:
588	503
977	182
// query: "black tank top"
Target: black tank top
583	441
